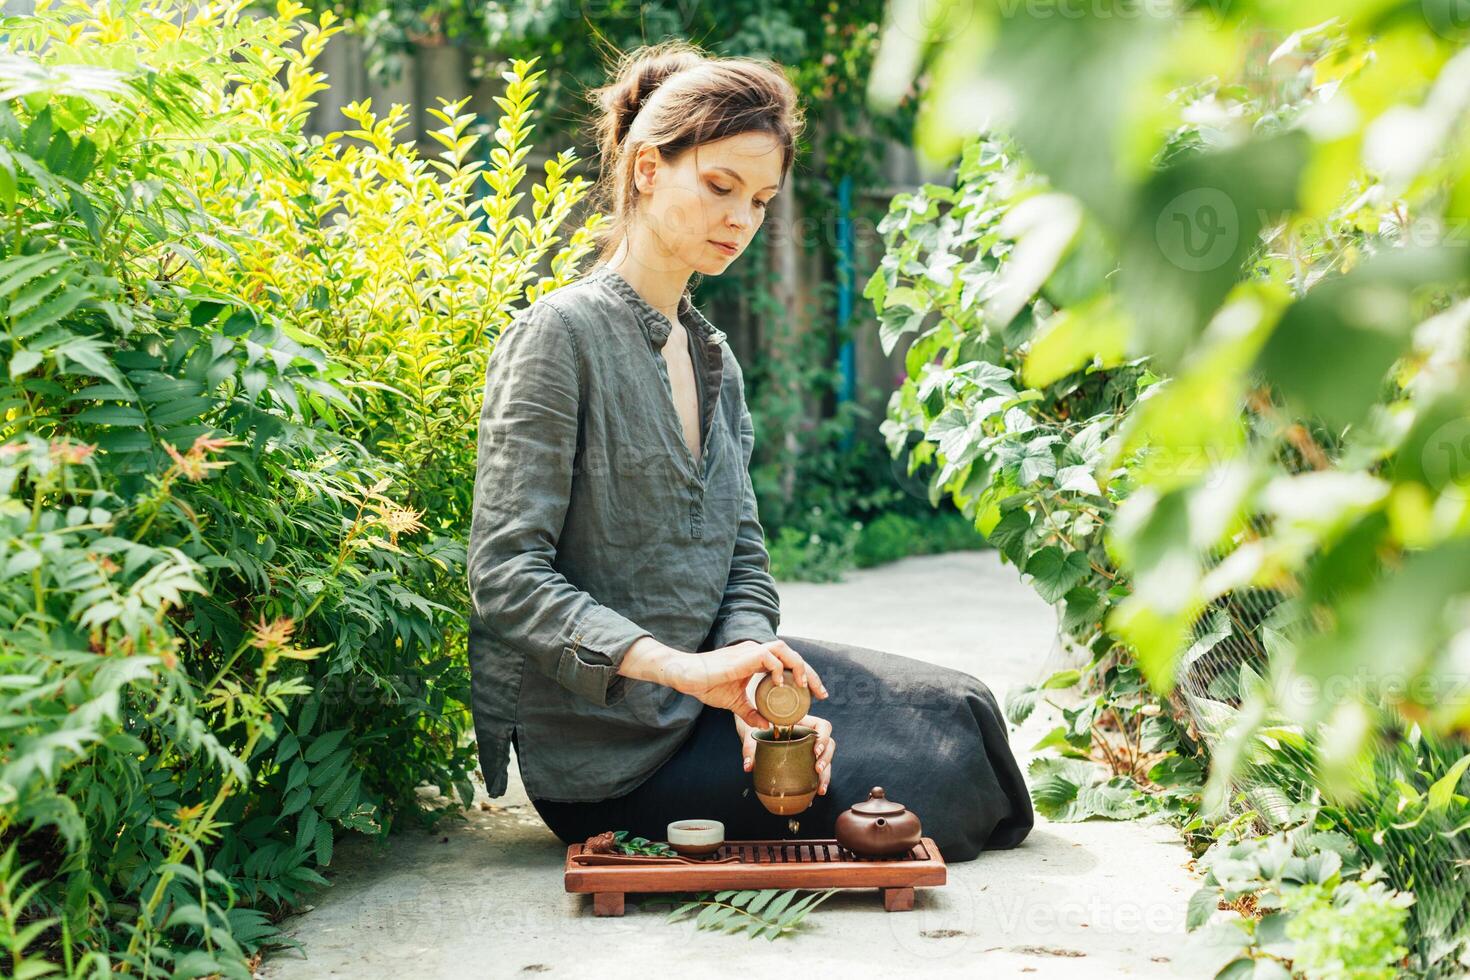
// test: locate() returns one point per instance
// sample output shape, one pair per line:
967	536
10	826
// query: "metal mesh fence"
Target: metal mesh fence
1233	646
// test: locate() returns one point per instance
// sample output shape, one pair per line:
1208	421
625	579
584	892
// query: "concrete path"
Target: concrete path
484	898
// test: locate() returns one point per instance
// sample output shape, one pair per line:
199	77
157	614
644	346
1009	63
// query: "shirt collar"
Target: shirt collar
655	324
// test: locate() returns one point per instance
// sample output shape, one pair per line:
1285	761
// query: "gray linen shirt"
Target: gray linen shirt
592	526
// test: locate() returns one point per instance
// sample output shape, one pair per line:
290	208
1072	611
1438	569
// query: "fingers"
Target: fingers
822	726
739	705
774	666
826	745
824	752
824	764
805	674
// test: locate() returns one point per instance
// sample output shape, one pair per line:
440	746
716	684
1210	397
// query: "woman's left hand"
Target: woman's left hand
826	745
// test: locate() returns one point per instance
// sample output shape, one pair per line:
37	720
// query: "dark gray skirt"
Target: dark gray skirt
934	738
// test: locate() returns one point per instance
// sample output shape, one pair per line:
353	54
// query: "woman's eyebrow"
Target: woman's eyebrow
740	179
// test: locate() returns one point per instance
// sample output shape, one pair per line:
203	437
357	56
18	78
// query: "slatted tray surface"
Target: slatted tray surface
767	864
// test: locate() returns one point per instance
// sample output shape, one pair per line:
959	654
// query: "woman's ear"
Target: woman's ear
645	169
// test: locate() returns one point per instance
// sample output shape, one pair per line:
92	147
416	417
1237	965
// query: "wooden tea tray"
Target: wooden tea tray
764	864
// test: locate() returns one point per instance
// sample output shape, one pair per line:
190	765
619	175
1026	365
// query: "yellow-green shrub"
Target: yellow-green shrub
231	610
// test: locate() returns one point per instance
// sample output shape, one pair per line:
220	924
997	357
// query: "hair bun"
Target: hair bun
636	83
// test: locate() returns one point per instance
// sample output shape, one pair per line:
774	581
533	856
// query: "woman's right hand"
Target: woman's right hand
720	677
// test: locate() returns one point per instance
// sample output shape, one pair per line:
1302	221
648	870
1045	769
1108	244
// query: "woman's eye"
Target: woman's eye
722	191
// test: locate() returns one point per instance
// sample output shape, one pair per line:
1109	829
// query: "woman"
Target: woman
617	566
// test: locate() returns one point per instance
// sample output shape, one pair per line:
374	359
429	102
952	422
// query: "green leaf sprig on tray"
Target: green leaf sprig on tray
623	844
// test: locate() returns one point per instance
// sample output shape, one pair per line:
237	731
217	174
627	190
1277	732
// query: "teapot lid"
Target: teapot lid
877	804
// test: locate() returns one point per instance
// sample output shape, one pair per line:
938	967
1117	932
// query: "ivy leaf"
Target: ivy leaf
1084	608
1085	448
1037	460
894	324
1078	478
1054	574
1018	420
956	435
988	376
1009	534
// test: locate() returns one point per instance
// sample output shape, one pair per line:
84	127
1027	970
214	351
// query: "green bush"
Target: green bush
1352	932
232	587
1199	369
891	536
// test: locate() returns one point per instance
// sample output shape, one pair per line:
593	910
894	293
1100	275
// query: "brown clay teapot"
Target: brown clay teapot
878	827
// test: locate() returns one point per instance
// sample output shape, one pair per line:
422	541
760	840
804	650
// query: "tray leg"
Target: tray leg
898	899
611	903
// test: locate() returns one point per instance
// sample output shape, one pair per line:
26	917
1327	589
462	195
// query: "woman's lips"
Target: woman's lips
727	249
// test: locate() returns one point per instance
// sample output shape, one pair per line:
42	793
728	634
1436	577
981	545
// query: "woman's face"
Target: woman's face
703	209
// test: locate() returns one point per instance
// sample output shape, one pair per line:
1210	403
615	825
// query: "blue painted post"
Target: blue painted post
846	357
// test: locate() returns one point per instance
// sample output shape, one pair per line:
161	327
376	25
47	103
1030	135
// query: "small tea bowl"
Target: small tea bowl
785	770
785	703
696	837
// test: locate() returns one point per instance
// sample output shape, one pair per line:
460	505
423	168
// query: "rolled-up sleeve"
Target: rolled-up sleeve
523	480
751	608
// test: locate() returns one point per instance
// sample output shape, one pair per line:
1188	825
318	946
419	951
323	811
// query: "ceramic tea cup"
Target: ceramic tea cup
696	837
785	770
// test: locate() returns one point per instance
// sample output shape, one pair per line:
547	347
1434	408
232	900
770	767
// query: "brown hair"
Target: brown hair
700	99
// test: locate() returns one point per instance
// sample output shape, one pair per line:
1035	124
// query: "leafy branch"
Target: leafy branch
770	912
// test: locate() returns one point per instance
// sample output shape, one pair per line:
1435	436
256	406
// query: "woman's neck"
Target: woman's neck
661	288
